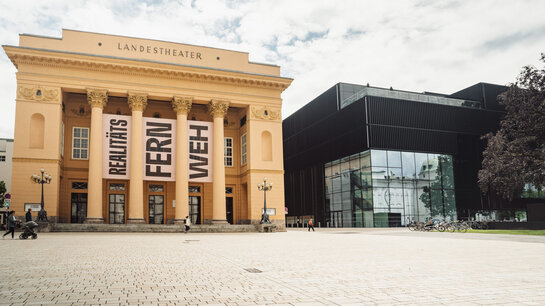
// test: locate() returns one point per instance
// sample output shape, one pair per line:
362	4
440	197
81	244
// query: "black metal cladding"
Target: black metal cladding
328	138
319	133
401	113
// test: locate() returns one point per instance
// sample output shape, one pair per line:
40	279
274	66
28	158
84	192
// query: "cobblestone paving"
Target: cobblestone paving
326	267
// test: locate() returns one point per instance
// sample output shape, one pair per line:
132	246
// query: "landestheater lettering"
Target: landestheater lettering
159	50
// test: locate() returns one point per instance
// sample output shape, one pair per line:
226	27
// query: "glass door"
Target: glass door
195	209
156	212
79	208
229	209
117	208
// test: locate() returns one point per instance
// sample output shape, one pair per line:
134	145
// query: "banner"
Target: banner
115	146
200	150
159	149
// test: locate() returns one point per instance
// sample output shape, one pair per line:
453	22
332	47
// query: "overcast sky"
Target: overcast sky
414	45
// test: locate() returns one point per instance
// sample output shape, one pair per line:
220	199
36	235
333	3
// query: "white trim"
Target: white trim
243	150
225	147
80	148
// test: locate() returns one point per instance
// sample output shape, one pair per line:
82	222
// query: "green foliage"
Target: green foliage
515	155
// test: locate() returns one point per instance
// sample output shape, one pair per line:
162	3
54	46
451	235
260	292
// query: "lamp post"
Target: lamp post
43	179
264	187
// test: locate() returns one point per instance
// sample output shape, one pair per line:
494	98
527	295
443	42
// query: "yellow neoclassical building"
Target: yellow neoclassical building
143	131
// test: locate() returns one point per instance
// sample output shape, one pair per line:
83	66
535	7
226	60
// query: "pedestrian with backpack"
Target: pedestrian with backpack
310	225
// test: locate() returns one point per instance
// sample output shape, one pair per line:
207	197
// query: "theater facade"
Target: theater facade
136	130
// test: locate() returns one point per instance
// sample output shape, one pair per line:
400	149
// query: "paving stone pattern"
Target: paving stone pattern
326	267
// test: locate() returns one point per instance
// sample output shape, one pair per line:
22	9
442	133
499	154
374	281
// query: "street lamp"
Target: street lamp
264	187
43	179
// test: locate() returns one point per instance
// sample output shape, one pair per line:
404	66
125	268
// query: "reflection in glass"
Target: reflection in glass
421	163
407	163
365	160
355	162
394	159
400	187
378	158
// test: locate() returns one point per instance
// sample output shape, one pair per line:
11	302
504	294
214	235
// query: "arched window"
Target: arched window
266	146
37	128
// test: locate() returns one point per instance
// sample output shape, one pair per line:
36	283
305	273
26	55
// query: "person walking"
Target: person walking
187	225
28	215
11	225
310	225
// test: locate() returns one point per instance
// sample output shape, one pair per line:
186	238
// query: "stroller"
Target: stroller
28	230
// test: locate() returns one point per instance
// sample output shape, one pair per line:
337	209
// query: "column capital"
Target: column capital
218	108
97	97
137	101
181	105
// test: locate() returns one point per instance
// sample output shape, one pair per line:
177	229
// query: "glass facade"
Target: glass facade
379	188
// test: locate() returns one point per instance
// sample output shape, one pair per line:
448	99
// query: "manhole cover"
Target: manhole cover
253	270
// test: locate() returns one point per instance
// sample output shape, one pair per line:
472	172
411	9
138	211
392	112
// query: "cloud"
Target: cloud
416	45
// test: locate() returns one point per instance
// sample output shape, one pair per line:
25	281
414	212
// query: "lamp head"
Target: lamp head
42	170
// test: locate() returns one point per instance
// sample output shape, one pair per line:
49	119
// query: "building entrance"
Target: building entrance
117	209
195	209
79	207
156	212
229	209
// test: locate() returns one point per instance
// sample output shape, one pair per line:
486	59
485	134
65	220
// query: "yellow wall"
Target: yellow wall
63	69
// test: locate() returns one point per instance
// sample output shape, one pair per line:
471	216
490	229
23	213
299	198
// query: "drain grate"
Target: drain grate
253	270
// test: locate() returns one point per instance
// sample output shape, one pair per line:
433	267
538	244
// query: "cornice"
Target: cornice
47	58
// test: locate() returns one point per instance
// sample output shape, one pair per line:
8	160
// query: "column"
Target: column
97	98
218	109
137	104
181	106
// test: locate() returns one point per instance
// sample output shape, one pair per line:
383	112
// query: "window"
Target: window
228	190
156	188
228	151
80	143
2	158
243	155
194	189
117	187
79	185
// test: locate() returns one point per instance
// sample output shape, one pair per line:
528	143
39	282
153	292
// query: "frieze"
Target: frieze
17	59
265	113
38	93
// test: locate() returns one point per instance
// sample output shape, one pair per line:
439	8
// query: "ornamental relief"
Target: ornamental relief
265	113
137	102
38	93
182	105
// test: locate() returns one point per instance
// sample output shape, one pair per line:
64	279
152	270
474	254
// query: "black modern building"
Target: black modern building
361	156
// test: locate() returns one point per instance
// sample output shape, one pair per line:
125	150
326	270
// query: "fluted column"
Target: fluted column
97	98
137	104
181	106
218	109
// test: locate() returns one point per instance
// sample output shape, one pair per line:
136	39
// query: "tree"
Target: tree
515	155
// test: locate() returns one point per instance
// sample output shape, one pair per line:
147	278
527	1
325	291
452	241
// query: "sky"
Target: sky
414	45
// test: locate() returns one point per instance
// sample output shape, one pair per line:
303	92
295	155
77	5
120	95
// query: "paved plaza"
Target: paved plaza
326	267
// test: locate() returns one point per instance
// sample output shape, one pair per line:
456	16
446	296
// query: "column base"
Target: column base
94	220
179	221
213	221
136	221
